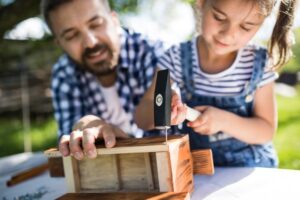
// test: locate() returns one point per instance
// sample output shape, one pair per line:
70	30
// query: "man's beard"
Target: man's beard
102	68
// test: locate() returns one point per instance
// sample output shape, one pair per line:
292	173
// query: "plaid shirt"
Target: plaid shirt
77	93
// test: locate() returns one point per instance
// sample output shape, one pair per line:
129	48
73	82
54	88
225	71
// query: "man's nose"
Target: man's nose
90	40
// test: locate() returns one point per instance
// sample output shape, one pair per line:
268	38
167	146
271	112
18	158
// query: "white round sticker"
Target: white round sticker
159	100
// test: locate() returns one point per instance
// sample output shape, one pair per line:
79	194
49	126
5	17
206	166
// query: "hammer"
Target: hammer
162	103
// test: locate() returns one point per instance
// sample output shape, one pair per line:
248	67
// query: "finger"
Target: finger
175	100
64	145
88	141
75	141
174	113
108	136
200	121
201	108
120	133
202	130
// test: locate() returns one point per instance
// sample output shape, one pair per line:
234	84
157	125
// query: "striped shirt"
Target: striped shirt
229	82
77	93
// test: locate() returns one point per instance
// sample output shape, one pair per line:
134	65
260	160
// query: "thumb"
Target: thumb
120	133
109	136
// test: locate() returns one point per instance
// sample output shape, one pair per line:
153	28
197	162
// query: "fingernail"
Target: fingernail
78	155
92	153
64	152
108	143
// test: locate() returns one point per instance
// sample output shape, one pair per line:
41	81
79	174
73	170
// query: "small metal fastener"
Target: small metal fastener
249	98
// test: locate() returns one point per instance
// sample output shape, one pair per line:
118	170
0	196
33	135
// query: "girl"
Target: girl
229	81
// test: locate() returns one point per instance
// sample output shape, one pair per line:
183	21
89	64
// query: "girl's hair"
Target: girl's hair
282	37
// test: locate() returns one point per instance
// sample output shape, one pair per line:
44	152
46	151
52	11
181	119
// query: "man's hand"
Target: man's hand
86	131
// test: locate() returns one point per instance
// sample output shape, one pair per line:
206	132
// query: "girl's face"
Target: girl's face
228	25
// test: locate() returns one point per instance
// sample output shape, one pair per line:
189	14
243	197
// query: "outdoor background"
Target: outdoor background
27	54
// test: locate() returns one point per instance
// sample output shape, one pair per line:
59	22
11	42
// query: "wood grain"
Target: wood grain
203	162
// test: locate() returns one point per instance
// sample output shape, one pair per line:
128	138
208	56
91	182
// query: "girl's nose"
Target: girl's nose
229	32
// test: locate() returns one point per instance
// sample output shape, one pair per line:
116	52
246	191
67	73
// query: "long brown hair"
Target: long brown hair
282	37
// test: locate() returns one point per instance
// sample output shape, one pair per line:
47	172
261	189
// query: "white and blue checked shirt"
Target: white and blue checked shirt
77	93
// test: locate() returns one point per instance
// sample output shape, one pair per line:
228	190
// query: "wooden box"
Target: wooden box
136	165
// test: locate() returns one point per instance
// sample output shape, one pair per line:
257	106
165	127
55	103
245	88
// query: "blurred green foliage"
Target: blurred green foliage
288	135
294	64
122	6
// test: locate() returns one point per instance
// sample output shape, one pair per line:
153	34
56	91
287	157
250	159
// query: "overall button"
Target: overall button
249	98
189	96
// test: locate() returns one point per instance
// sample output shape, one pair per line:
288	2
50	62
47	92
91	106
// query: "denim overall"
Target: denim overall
230	151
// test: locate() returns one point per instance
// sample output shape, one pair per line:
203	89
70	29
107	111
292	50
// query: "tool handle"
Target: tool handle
192	114
25	175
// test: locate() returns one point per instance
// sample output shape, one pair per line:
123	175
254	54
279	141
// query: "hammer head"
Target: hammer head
162	100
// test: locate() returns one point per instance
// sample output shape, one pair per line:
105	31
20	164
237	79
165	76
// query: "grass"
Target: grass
43	133
287	139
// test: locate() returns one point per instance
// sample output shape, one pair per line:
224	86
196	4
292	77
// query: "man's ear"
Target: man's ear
56	41
115	18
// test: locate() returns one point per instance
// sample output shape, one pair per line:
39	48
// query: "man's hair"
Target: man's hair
48	6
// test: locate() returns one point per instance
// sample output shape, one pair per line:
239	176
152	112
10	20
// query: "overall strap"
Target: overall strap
258	70
197	141
187	65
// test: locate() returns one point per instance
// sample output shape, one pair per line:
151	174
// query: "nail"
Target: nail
92	153
78	155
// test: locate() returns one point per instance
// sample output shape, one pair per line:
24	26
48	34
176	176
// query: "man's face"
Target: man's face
88	33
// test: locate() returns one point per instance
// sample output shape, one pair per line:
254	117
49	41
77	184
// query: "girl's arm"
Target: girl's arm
258	129
144	112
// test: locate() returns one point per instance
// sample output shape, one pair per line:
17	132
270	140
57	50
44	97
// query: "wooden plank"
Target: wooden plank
164	172
71	174
149	175
181	163
126	196
99	174
203	162
116	172
129	145
133	172
56	168
27	174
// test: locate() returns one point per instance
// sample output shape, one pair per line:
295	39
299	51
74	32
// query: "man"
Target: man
104	72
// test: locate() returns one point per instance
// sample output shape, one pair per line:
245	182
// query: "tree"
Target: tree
18	10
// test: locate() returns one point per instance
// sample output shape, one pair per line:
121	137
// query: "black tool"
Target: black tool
162	102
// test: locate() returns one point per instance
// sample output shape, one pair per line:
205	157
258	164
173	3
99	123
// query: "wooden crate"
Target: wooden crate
127	196
135	165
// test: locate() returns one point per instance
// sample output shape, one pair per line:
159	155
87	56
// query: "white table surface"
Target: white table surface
226	183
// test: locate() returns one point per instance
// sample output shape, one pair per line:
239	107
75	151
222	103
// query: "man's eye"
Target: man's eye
71	36
96	25
245	29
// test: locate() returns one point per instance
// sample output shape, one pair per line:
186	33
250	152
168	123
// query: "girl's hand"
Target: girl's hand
209	122
178	110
